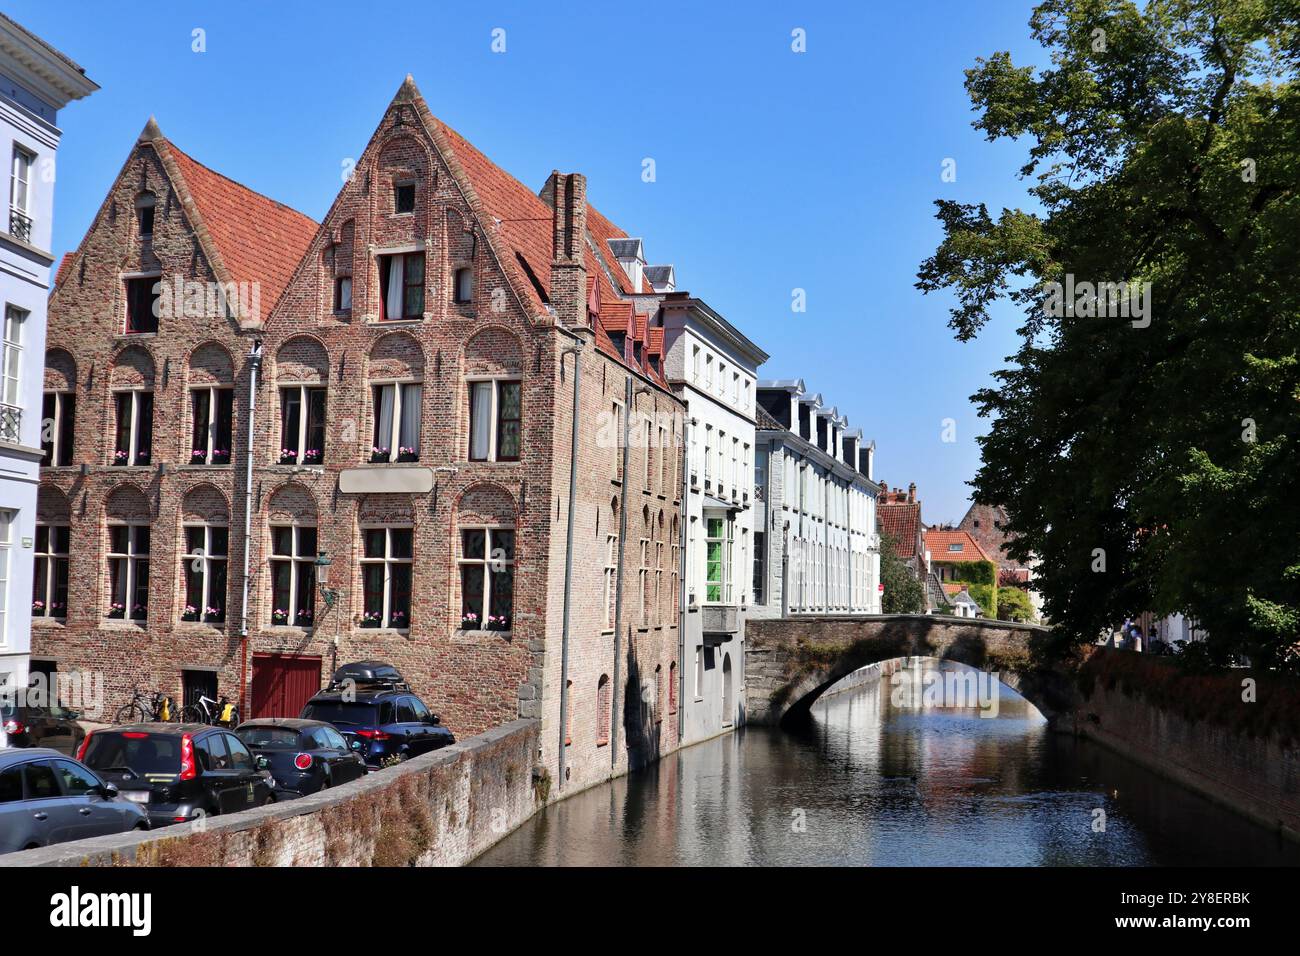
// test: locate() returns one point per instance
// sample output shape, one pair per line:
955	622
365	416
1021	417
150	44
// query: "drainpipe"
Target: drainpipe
254	365
681	582
576	352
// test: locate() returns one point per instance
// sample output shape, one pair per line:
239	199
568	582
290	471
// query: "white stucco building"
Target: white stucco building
816	545
36	81
712	367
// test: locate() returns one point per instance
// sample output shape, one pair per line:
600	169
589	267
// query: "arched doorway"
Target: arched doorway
728	701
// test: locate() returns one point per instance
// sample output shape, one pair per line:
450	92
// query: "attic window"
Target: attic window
404	198
956	546
144	207
617	339
977	522
401	282
463	286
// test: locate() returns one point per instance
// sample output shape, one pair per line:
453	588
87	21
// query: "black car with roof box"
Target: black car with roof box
178	772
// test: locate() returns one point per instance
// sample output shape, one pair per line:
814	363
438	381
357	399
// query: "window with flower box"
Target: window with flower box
204	569
397	422
50	573
212	414
302	425
128	571
293	575
487	570
386	560
133	440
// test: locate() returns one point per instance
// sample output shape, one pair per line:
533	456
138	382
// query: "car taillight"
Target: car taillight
373	734
14	727
85	741
302	761
187	758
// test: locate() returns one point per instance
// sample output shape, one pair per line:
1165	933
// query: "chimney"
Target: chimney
911	493
568	195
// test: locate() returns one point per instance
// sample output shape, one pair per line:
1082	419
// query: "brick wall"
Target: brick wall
441	809
473	679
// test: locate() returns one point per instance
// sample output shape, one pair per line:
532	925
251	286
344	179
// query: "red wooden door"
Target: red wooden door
283	683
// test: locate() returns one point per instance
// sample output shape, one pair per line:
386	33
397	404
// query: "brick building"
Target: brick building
404	374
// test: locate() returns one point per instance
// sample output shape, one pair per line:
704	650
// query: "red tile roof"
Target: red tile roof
902	522
938	544
523	220
259	240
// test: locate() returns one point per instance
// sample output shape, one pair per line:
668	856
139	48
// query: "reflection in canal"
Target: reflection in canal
870	781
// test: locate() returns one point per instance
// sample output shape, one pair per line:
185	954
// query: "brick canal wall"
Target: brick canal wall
1256	776
441	809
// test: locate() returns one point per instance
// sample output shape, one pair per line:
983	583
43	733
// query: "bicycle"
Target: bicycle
205	710
151	709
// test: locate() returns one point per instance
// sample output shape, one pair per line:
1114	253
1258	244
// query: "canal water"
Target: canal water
878	776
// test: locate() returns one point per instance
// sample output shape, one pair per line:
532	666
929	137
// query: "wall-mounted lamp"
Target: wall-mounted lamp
329	595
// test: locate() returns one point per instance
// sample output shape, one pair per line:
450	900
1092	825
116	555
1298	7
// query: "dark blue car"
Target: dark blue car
391	724
304	756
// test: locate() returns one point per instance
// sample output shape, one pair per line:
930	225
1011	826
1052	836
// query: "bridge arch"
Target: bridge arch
791	662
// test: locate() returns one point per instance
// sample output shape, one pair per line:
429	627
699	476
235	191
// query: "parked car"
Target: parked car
53	727
46	797
179	772
389	723
303	755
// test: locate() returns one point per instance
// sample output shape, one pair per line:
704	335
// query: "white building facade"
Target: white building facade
712	367
36	81
816	545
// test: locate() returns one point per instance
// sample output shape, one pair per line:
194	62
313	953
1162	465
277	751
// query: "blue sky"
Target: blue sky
774	170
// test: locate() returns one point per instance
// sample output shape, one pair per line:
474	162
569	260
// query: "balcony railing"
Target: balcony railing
11	424
20	225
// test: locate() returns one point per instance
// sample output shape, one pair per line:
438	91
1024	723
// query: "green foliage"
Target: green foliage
986	596
1164	150
903	593
976	572
1014	605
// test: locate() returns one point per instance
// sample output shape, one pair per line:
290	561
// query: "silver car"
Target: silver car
46	797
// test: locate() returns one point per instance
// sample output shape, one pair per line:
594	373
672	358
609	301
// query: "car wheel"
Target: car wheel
141	826
269	800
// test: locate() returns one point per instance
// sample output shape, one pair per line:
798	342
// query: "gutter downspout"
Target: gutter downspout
681	583
618	583
254	365
576	351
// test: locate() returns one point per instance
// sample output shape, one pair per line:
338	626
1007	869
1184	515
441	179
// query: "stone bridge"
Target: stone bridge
790	662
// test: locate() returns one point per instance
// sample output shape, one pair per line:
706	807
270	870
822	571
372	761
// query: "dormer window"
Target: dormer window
404	198
401	282
144	208
463	285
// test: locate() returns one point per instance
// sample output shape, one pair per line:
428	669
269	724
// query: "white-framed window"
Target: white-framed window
487	572
212	413
20	183
203	570
386	562
6	565
643	583
648	438
496	420
134	432
50	571
397	421
695	363
11	366
699	673
58	417
128	571
616	416
717	557
611	581
659	583
293	575
302	424
708	371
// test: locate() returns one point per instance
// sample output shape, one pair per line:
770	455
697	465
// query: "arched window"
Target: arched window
128	554
292	559
602	710
486	558
397	395
205	555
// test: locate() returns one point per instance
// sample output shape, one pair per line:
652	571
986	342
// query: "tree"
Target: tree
903	592
1014	605
1145	446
